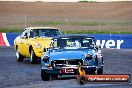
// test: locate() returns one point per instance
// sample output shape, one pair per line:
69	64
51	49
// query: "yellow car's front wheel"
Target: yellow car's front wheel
33	57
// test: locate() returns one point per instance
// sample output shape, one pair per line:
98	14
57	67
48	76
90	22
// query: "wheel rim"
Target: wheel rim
31	56
17	54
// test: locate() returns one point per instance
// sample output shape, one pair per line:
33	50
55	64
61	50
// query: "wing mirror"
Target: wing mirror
23	37
45	49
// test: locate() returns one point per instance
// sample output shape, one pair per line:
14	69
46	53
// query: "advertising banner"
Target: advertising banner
116	41
113	40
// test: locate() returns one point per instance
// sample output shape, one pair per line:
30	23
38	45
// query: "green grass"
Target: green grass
90	23
11	30
94	32
46	23
79	23
87	1
19	30
85	23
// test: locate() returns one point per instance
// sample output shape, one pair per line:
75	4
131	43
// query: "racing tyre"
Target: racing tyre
33	57
45	76
54	76
100	70
19	57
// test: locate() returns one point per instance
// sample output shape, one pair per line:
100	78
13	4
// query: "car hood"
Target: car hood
45	42
69	54
41	39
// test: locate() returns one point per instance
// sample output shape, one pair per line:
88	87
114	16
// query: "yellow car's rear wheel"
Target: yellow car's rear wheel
19	57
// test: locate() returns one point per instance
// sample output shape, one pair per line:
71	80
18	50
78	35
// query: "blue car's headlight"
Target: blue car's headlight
88	56
45	58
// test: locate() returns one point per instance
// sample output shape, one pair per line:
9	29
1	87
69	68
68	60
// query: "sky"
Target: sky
64	0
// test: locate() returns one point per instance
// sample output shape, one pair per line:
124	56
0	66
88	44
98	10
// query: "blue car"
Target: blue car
67	53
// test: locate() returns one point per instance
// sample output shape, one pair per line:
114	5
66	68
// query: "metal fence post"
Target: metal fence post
25	21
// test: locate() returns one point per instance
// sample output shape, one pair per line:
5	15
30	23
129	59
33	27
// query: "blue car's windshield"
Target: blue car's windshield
74	43
44	33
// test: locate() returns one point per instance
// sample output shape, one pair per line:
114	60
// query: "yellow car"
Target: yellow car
33	42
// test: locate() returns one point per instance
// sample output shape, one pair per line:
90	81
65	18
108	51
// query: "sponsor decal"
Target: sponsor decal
83	78
110	43
104	78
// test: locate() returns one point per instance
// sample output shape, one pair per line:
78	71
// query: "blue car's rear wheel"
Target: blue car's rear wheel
100	70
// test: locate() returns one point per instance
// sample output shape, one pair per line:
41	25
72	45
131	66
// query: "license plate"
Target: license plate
67	70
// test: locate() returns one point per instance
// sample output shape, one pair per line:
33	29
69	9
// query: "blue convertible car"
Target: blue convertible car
67	53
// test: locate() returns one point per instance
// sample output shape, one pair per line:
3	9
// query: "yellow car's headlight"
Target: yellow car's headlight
38	45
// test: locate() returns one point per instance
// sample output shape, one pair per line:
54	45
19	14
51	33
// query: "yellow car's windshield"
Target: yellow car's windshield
44	33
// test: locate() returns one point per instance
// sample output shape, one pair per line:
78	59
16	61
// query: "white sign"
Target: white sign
110	43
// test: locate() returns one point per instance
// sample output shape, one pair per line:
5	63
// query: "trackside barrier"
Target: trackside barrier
117	41
7	39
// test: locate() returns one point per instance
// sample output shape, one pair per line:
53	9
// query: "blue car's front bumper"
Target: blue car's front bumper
59	71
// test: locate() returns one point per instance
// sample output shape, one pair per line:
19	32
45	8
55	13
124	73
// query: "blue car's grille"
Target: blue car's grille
68	62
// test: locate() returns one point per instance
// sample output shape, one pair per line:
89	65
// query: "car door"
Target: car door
20	44
25	44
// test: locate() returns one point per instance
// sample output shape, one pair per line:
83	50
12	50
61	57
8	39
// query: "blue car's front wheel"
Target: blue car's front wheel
45	76
100	70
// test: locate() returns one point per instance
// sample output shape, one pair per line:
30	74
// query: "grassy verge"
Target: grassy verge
81	23
90	23
94	32
19	30
11	30
87	1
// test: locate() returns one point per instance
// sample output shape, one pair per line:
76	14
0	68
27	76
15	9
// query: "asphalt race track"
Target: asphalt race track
15	74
